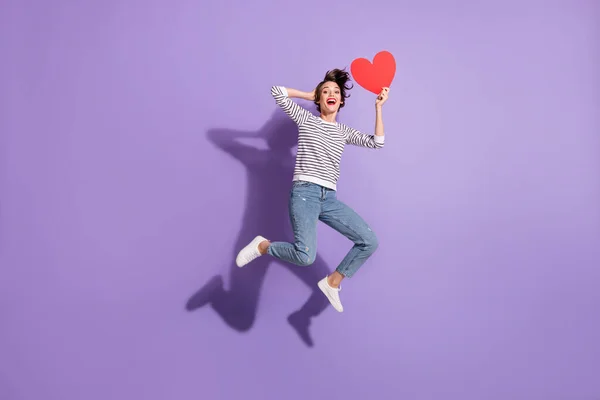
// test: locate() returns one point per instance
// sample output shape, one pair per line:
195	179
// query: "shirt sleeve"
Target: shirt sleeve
297	113
357	138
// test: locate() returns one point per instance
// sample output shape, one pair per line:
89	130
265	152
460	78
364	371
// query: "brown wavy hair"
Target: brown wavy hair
339	76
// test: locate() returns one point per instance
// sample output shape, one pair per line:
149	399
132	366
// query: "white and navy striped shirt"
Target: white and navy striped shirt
320	143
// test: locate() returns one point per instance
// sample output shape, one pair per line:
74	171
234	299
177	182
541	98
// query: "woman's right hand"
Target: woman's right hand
294	93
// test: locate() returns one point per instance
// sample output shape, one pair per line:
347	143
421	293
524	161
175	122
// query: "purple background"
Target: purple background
123	194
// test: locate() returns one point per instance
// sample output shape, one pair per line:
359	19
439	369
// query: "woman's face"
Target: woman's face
330	97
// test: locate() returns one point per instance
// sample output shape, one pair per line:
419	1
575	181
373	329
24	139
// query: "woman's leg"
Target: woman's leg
304	209
345	220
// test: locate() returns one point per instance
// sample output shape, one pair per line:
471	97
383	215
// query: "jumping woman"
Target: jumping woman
321	142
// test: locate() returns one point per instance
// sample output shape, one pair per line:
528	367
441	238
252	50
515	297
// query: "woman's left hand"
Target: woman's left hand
383	96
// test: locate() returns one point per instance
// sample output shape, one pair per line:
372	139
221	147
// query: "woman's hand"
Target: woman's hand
299	94
382	98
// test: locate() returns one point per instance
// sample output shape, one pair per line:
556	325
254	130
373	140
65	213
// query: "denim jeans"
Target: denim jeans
310	203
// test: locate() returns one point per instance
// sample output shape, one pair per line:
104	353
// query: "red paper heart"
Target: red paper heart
377	75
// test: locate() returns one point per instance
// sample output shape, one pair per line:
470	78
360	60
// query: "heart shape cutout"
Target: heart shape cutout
377	75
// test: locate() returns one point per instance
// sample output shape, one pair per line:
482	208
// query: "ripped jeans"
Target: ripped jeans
310	203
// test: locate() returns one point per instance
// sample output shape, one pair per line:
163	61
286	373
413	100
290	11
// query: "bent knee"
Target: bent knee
371	242
305	259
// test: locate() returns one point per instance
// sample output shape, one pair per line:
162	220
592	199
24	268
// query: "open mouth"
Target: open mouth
331	102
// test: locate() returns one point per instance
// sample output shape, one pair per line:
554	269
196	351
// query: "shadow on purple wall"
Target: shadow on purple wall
269	174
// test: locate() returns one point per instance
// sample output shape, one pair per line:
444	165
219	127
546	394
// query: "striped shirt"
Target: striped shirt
320	143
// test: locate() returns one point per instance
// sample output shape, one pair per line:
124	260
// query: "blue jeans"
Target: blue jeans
310	203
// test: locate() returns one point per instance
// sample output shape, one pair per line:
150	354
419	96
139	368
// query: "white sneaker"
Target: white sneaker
331	293
250	252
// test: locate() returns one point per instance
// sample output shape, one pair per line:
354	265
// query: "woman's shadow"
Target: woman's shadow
269	174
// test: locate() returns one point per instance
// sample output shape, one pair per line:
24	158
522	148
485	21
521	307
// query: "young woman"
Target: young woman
321	142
